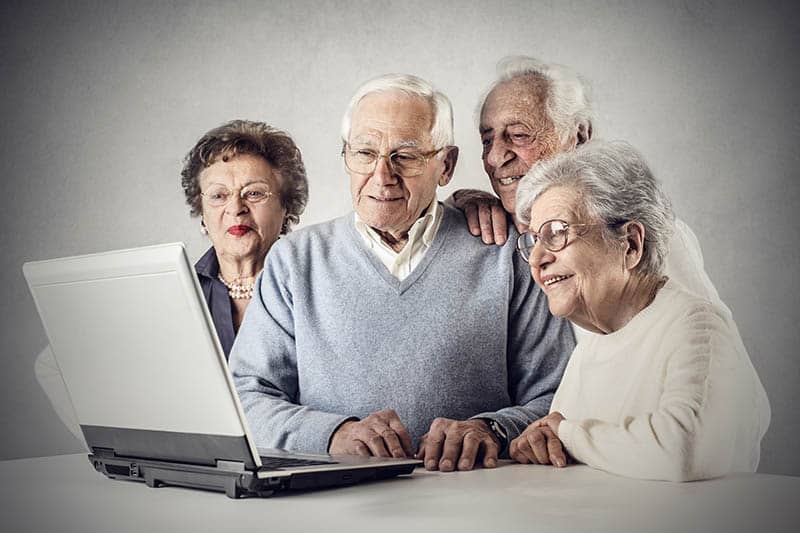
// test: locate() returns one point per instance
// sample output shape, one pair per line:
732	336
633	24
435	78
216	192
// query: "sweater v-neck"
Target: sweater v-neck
401	286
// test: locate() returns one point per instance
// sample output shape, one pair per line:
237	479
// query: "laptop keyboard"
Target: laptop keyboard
277	463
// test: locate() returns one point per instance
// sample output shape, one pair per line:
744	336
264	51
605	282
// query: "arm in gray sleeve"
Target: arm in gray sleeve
263	363
539	346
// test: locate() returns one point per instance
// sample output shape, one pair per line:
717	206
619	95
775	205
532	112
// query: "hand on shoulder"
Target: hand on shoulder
484	213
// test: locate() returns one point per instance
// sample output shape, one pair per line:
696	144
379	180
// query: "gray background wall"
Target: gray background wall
101	101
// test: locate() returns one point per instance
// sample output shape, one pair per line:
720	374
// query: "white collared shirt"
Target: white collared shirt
420	237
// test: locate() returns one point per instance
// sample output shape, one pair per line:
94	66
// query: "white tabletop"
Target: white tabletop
64	493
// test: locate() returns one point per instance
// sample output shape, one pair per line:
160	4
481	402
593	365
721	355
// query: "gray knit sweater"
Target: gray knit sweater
330	334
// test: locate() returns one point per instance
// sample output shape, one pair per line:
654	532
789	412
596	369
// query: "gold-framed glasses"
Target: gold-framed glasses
406	163
553	234
253	193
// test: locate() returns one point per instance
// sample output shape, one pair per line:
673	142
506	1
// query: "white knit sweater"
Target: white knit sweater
672	395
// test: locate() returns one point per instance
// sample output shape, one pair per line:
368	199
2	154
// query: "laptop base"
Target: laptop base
232	478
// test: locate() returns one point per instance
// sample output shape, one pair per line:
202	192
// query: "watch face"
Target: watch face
498	429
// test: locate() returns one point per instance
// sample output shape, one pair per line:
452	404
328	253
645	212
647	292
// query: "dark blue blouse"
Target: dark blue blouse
217	299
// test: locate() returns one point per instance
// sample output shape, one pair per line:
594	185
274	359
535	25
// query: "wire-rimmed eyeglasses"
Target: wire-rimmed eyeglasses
406	163
553	234
253	193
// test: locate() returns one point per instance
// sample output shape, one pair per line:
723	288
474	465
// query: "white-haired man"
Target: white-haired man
531	112
366	334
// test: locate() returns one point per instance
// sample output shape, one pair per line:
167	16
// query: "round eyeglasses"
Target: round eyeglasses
404	163
220	195
553	234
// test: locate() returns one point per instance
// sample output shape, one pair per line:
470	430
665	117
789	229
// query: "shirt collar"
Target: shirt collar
425	226
429	223
208	265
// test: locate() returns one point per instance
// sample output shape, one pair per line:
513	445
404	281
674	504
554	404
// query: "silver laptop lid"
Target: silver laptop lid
140	357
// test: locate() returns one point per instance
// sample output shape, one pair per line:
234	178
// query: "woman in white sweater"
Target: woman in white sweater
663	387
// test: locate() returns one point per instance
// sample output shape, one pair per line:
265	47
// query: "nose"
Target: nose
383	174
540	256
237	206
498	153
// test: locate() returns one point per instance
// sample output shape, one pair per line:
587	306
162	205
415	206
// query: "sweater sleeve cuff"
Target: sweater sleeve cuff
336	428
312	432
506	425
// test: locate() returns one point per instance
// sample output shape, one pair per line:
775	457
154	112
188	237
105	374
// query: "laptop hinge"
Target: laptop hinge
231	466
103	452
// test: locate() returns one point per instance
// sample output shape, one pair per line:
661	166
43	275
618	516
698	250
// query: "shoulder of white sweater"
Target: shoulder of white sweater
673	307
680	302
693	329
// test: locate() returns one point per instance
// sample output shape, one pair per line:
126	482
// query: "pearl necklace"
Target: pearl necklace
238	290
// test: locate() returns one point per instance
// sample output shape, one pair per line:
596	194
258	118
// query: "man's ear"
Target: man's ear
450	159
584	132
633	235
580	135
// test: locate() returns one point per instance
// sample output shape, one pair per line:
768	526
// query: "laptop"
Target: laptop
150	385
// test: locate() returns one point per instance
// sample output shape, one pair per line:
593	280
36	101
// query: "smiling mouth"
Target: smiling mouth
556	279
384	199
509	180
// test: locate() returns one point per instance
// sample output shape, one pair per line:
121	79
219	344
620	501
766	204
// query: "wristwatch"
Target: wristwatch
499	432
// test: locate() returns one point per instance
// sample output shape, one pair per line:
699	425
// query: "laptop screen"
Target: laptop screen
136	346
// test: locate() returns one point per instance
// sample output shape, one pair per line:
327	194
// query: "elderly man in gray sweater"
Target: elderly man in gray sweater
392	330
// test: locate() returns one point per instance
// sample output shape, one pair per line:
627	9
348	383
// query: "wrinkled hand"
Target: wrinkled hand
458	443
381	434
485	215
539	443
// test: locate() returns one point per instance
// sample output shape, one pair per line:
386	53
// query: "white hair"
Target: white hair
615	186
568	100
442	129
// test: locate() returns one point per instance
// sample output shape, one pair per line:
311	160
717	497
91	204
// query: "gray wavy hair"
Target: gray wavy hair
442	128
615	185
568	99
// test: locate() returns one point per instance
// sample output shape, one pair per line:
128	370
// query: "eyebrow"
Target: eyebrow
485	129
252	181
257	180
401	144
407	144
366	139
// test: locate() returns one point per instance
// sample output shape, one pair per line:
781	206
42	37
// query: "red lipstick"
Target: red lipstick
238	231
